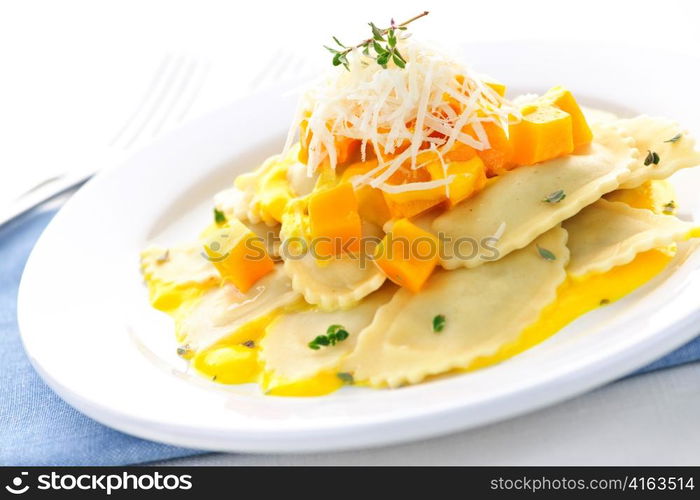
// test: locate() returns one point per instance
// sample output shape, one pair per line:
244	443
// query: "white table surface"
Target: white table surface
74	70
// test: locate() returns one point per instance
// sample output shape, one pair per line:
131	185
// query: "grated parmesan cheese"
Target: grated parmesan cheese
389	108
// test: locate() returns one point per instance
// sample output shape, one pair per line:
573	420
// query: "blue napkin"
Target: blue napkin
38	428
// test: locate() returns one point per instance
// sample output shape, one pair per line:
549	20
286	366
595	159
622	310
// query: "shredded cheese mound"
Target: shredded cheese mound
399	112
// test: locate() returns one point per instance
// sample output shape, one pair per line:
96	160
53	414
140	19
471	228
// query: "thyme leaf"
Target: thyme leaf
439	323
652	158
546	254
555	197
219	217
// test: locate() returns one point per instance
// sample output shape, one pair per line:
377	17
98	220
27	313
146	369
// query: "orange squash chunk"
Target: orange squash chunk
345	147
545	132
564	100
407	255
497	86
460	152
469	178
499	157
238	254
334	221
371	204
410	203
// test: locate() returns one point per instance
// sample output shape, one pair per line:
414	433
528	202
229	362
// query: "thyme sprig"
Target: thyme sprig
334	334
381	47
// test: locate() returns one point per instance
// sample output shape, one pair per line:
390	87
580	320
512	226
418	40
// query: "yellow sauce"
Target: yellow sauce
168	297
321	384
577	297
656	195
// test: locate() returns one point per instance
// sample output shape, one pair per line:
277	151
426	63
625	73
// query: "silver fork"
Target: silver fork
166	102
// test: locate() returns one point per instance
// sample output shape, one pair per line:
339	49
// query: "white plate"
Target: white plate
89	332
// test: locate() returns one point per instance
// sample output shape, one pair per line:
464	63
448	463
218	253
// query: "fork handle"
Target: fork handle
43	194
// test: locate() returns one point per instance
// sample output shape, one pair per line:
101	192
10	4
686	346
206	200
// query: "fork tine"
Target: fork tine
194	92
175	97
155	82
265	71
156	103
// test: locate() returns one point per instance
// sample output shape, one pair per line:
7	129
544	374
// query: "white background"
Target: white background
73	72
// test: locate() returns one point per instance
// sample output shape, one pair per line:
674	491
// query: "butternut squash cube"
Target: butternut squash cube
334	221
371	204
496	85
460	152
564	100
345	147
411	203
469	178
499	157
238	254
545	132
407	255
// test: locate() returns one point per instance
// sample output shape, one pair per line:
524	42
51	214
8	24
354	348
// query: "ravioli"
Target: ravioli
660	136
176	274
337	283
224	313
285	350
511	212
576	297
484	308
607	234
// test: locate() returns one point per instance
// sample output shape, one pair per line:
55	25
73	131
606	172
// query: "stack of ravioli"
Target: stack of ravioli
610	229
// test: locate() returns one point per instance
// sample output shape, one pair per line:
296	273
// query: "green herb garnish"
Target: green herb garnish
346	377
334	334
439	323
381	47
546	254
675	138
652	157
555	197
604	302
219	217
669	207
